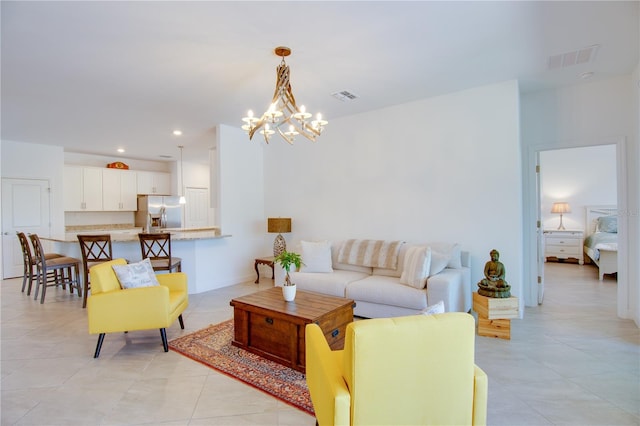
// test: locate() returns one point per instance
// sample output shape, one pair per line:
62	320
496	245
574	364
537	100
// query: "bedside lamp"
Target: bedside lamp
279	225
561	208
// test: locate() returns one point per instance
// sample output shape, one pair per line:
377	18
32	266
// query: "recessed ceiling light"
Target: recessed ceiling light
120	150
177	132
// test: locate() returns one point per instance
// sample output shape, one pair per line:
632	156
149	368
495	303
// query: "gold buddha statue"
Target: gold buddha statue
494	284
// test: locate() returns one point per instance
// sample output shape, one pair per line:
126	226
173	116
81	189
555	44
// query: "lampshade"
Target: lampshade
561	208
278	225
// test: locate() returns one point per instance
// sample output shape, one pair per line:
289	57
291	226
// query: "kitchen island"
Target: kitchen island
197	247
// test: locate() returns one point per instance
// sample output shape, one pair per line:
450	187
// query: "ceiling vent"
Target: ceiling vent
344	96
575	57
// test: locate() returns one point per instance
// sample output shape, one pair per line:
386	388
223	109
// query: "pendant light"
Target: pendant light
182	199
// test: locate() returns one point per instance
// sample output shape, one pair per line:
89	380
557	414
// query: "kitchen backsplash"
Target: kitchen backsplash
98	218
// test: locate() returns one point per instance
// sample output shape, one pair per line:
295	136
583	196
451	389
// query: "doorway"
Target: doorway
25	208
532	290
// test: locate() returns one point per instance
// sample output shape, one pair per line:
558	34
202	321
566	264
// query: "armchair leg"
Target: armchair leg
165	344
99	345
181	322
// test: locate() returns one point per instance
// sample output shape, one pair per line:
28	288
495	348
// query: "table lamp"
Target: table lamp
279	225
561	208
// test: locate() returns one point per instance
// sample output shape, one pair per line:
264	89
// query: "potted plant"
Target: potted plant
287	259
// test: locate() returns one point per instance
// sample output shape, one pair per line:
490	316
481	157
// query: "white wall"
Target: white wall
241	211
34	161
439	169
580	176
633	151
601	112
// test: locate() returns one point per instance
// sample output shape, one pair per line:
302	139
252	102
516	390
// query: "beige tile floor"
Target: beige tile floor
571	361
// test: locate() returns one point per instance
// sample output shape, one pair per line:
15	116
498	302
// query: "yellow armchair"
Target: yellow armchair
414	370
113	309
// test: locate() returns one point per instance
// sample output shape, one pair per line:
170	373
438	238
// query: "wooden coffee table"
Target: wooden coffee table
270	327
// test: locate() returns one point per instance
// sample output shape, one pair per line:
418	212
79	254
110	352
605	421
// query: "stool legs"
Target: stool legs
60	277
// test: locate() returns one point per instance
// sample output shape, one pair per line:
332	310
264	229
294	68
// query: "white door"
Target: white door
196	209
25	208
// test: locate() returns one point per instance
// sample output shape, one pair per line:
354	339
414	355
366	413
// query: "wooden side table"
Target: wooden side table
494	315
264	261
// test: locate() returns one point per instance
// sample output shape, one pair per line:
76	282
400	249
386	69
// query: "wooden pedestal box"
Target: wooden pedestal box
494	315
500	328
494	308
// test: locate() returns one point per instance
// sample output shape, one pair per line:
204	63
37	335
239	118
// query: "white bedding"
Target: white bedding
601	244
600	241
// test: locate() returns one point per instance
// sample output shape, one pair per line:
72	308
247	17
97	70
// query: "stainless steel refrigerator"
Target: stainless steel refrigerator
156	212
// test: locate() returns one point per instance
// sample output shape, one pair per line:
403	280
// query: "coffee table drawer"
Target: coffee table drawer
269	334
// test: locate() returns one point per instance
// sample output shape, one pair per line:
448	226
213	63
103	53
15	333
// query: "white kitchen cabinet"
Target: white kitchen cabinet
119	190
154	183
82	188
564	244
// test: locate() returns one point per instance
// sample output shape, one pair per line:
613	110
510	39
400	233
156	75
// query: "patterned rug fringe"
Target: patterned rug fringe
212	347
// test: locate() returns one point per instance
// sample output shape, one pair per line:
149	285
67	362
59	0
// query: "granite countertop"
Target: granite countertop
177	234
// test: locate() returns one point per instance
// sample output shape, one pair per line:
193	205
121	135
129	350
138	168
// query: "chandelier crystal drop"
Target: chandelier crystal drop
283	115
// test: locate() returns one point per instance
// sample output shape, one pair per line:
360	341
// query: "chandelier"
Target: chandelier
283	115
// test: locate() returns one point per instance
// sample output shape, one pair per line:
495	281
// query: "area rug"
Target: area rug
212	347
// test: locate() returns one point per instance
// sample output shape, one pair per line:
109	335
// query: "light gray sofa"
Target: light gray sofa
378	292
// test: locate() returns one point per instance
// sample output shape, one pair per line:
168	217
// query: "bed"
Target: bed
601	242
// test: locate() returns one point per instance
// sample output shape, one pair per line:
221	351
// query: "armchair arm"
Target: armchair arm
480	391
329	393
176	281
127	310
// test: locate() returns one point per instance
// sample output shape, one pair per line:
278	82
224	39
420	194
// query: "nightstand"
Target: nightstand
564	244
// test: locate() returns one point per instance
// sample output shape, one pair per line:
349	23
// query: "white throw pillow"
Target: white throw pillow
438	308
438	263
135	275
417	262
452	250
316	256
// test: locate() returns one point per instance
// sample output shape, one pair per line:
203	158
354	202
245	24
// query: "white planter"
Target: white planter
289	292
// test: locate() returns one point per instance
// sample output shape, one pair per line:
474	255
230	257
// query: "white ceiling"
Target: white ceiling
95	76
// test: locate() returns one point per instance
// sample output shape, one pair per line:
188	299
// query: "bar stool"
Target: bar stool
95	249
157	247
66	270
30	270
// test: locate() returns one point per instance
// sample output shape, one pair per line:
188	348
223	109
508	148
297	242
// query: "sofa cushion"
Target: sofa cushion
397	272
335	252
387	291
374	253
438	263
452	250
316	256
333	283
416	267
